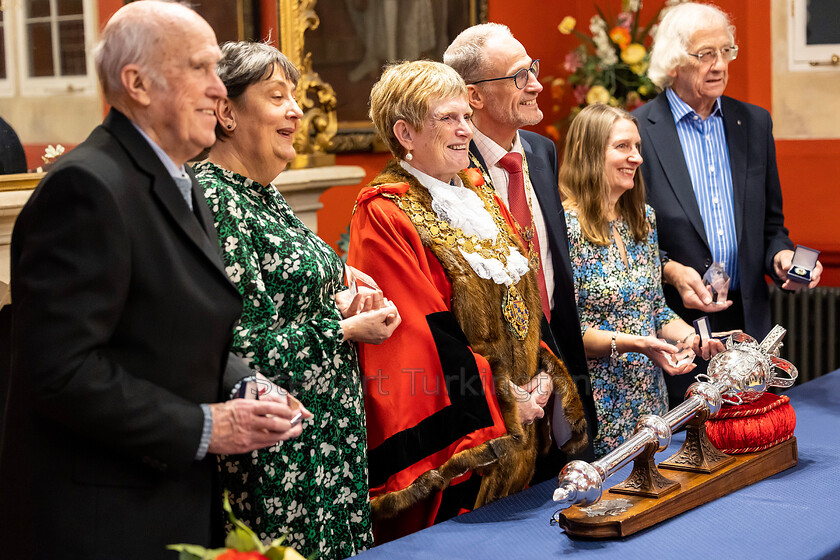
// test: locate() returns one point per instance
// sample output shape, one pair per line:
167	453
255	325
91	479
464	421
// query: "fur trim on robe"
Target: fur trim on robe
506	463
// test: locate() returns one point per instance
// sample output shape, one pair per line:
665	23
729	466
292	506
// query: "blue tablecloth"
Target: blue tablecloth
792	515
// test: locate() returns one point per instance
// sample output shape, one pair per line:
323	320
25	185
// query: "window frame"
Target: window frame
801	56
7	84
45	86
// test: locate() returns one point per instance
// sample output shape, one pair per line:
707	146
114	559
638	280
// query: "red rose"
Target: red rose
237	555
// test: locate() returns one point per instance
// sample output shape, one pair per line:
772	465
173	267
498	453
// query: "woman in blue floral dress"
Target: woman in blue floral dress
615	259
298	322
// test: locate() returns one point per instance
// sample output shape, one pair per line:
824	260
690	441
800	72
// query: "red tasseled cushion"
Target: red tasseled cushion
752	427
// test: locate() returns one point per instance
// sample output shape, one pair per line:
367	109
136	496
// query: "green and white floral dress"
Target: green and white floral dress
313	489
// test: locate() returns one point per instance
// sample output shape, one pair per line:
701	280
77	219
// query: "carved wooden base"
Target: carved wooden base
697	453
645	480
630	514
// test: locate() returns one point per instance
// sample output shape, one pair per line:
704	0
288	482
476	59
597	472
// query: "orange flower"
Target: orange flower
567	25
552	132
558	87
620	36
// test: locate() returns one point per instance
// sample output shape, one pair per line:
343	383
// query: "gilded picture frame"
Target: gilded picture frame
342	45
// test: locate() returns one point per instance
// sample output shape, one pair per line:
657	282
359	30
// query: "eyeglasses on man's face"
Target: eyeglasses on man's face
520	79
708	56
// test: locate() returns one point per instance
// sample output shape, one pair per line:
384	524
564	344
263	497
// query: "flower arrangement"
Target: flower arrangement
241	544
610	66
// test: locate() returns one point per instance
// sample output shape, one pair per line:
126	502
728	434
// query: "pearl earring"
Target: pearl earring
230	126
408	156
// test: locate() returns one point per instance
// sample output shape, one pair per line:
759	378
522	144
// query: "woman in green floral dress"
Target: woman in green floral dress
298	322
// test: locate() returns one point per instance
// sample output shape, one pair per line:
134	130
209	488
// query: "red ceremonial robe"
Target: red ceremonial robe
434	410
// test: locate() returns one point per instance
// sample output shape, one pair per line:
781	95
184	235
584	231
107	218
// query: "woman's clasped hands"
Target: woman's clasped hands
368	315
532	397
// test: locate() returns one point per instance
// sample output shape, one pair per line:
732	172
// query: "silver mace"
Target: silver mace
582	483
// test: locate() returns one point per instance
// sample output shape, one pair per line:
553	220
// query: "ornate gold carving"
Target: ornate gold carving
355	141
315	97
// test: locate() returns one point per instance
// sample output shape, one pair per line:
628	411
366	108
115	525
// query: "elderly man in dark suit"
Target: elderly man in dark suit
122	318
521	166
710	174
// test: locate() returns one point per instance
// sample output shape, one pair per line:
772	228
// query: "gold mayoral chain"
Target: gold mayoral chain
526	233
514	309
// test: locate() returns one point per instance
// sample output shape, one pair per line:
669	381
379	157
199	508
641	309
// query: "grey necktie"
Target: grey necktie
185	187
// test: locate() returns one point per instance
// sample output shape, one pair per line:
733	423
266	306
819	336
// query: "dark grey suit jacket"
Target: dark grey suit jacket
121	323
757	197
563	336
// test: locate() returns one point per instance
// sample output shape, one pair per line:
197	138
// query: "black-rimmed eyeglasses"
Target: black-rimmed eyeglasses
520	79
708	56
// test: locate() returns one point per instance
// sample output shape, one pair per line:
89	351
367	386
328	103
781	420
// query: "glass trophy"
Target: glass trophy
685	353
718	280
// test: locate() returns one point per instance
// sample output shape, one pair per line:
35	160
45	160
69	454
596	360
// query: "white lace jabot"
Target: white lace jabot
462	208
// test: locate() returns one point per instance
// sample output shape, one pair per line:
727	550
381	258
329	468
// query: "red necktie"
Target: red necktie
518	205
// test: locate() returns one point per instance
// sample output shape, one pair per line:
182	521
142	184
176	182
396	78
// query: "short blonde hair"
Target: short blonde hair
583	176
405	92
675	30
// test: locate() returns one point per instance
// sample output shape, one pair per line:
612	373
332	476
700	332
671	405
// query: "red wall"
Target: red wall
808	168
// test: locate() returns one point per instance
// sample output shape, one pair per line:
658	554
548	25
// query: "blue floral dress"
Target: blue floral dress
313	489
628	299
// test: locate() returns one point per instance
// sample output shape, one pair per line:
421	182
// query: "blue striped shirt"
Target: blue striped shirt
707	157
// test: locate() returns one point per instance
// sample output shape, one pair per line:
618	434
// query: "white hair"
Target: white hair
466	53
134	36
674	34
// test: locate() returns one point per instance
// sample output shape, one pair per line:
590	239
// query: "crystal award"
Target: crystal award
718	280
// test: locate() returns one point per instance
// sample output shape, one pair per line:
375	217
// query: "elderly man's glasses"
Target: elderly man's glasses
520	79
708	56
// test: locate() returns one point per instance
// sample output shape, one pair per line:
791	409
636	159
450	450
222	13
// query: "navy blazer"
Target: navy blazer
564	333
122	317
757	197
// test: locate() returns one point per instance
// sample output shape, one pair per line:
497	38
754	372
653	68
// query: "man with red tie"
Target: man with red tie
522	167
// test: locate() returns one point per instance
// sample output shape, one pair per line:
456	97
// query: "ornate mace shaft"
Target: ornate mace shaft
738	375
582	483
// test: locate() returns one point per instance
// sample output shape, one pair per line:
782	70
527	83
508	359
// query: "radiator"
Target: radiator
811	319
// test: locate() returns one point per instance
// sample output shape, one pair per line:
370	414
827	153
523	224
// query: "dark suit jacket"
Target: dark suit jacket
121	321
563	336
757	198
12	156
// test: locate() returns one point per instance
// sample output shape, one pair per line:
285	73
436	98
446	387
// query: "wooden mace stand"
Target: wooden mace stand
727	474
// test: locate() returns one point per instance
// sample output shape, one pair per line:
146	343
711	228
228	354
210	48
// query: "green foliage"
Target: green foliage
240	539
